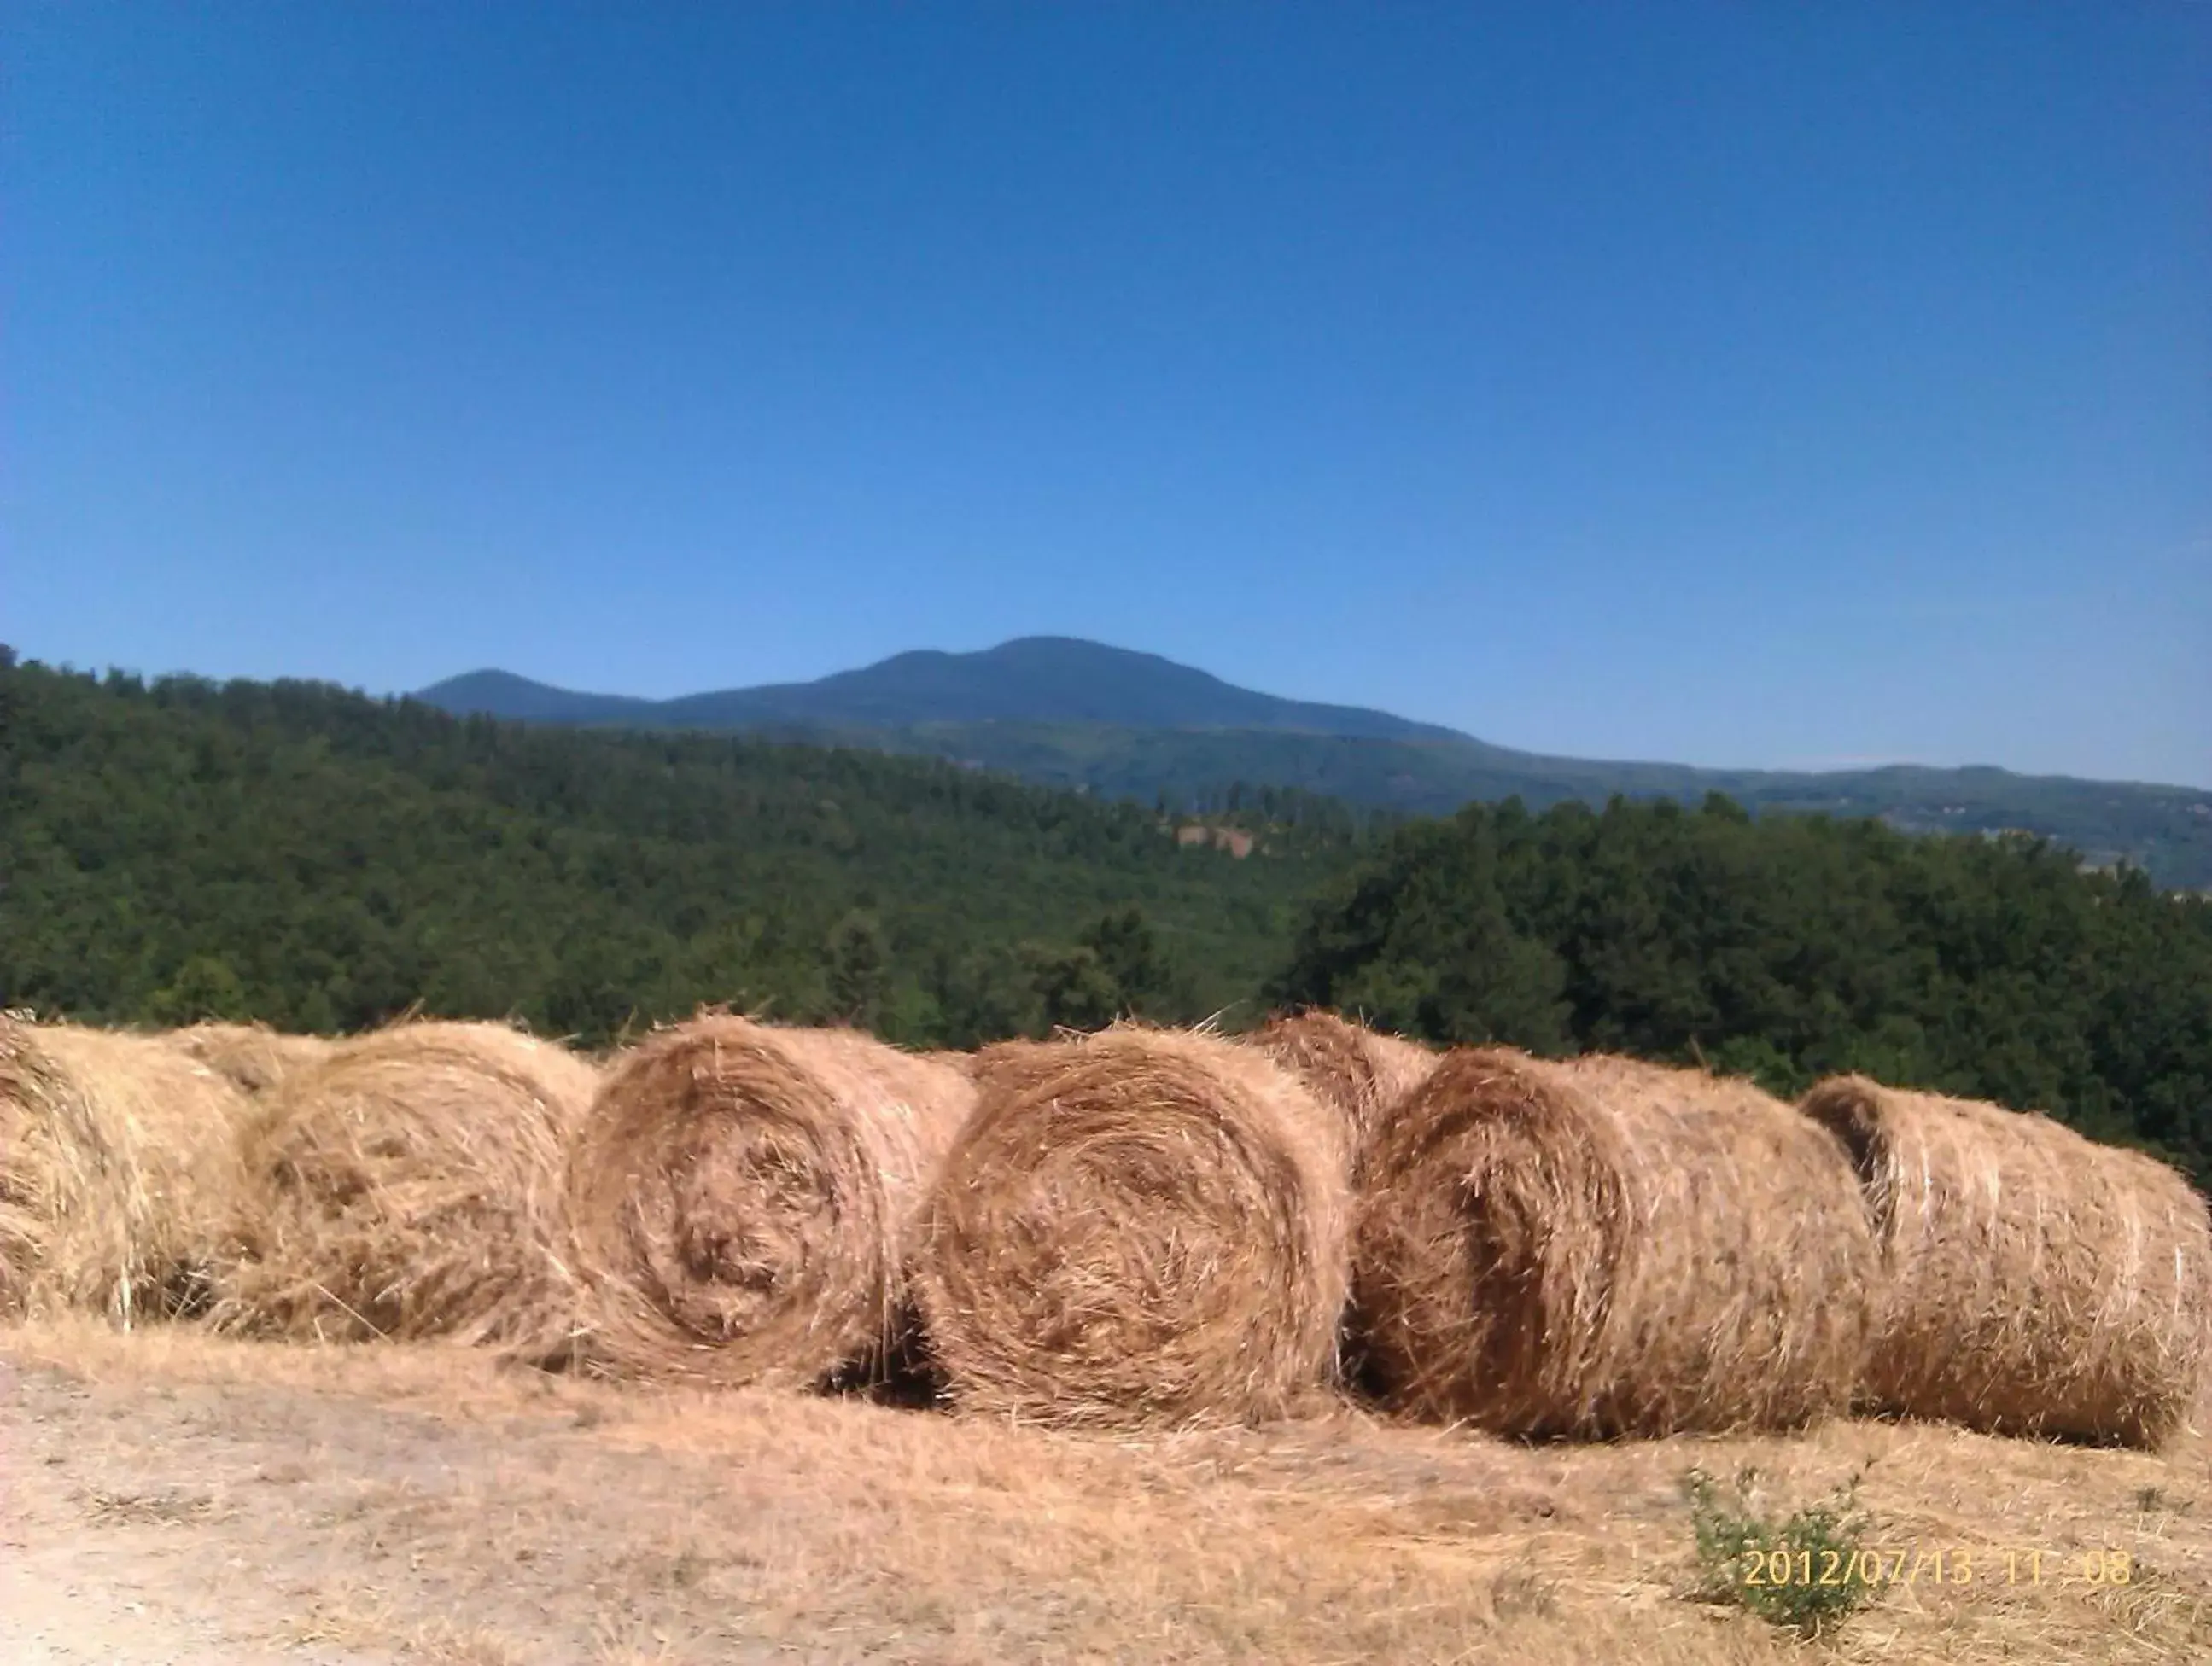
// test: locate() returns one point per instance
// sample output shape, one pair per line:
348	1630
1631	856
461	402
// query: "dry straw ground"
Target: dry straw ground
744	1199
408	1185
117	1166
2037	1282
402	1503
1143	1227
1605	1246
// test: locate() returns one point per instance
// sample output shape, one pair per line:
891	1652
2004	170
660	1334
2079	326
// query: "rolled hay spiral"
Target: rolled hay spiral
744	1199
1138	1228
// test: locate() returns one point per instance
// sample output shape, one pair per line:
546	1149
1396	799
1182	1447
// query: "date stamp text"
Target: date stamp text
1935	1564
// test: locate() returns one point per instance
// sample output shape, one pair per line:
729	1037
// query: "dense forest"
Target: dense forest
294	852
313	857
1786	949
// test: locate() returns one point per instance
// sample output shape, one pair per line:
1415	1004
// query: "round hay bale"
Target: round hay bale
743	1198
118	1165
1606	1247
252	1056
2036	1281
1139	1227
1008	1065
1362	1072
408	1186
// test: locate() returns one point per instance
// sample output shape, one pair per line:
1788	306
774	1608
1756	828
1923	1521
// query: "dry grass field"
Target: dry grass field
173	1497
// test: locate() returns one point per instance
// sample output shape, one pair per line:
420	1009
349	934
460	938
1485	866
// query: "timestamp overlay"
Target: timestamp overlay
1935	1564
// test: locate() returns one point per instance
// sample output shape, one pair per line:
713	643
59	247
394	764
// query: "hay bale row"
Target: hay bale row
1139	1227
118	1168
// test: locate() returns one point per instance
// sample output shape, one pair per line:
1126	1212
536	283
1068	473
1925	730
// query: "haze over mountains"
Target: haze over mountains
1082	715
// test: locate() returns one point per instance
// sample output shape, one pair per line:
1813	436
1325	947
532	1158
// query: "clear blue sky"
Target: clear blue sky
1777	383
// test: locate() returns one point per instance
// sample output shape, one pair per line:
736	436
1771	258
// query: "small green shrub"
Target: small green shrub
1803	1573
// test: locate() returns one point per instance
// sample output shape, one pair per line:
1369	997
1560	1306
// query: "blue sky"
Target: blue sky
1750	384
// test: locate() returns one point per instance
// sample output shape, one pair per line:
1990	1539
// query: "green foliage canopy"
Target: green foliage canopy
320	860
1786	949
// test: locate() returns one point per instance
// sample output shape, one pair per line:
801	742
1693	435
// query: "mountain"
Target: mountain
1033	680
1071	713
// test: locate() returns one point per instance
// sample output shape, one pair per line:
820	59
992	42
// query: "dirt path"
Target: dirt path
222	1522
54	1610
137	1589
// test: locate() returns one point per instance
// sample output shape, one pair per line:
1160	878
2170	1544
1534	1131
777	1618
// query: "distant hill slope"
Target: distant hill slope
1071	713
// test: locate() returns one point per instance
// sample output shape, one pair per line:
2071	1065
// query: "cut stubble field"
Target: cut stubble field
169	1496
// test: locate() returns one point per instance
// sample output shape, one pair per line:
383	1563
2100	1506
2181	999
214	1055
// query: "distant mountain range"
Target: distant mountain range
1031	679
1079	714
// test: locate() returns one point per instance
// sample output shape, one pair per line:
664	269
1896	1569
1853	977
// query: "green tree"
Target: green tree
1073	988
205	987
984	995
858	967
1129	954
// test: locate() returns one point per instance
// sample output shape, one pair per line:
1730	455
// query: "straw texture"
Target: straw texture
1604	1247
2037	1282
253	1057
118	1167
744	1199
1363	1073
408	1185
1139	1228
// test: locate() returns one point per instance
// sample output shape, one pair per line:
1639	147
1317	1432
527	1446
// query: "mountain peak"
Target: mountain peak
492	692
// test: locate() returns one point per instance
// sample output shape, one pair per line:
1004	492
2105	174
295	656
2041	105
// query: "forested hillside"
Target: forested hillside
1787	948
321	860
2167	831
